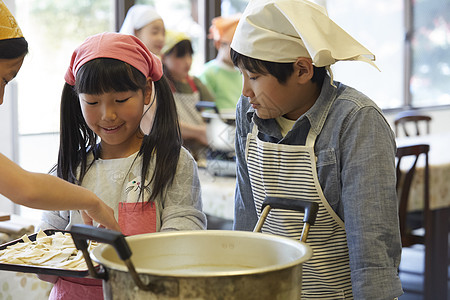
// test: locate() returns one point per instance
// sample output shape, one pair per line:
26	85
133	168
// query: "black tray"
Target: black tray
38	269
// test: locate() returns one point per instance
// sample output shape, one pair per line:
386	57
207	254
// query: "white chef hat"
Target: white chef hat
283	30
138	16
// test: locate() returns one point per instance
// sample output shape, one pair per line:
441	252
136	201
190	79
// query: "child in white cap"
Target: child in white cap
144	22
301	135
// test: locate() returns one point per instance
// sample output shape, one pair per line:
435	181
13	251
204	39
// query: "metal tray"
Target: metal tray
38	269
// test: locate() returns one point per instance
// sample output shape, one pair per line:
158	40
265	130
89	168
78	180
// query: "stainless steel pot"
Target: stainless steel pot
196	264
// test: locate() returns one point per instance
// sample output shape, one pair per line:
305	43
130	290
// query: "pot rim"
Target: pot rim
96	254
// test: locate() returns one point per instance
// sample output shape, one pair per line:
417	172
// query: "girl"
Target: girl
150	181
187	90
301	135
32	189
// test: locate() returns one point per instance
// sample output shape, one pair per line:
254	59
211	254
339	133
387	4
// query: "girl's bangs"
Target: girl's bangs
104	75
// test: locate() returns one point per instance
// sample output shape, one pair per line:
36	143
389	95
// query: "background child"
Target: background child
219	74
301	135
150	181
187	91
146	24
28	188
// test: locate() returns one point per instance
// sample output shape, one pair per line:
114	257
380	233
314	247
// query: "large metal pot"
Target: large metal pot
196	264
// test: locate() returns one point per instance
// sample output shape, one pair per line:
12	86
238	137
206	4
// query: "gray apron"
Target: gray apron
188	113
289	171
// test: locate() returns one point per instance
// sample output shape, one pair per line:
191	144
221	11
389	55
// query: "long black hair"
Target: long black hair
13	48
281	71
77	140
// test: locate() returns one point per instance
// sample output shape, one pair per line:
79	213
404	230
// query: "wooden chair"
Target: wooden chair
409	117
404	181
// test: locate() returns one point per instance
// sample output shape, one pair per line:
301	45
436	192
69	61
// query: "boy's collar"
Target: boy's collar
317	113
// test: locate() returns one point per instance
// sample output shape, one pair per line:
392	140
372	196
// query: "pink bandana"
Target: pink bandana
126	48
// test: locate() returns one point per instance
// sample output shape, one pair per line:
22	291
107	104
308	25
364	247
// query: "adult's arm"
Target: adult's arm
43	191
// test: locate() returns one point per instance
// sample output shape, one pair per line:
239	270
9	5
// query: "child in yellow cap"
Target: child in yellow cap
219	74
35	190
301	135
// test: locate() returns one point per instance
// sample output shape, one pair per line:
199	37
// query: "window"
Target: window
414	71
231	7
53	30
430	53
377	25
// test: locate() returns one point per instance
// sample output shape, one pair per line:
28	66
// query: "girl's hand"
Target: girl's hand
102	214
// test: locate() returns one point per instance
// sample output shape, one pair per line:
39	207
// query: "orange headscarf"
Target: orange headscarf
222	28
8	25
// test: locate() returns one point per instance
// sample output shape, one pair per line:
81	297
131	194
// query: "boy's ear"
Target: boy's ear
148	91
304	69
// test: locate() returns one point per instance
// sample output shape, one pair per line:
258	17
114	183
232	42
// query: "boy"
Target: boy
301	135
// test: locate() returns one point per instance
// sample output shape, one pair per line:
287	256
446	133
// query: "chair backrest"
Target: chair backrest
404	181
404	118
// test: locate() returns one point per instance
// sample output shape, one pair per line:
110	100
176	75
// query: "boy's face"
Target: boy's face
272	99
8	70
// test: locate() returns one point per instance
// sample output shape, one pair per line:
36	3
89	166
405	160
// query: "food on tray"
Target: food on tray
54	251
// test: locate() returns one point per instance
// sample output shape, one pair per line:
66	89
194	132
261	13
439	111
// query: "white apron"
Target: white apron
187	112
289	171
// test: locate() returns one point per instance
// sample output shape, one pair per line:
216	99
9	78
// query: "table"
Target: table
217	194
436	239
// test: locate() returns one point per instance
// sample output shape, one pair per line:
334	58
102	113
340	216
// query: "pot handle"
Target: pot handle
309	208
80	233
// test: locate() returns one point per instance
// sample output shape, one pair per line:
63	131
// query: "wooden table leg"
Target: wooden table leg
436	255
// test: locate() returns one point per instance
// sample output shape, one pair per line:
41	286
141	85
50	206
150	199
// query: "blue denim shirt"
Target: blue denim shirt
355	150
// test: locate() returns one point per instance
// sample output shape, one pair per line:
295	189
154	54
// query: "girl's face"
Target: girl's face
153	36
115	118
8	70
178	66
271	99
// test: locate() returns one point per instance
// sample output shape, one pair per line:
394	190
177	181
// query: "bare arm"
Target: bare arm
194	132
43	191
